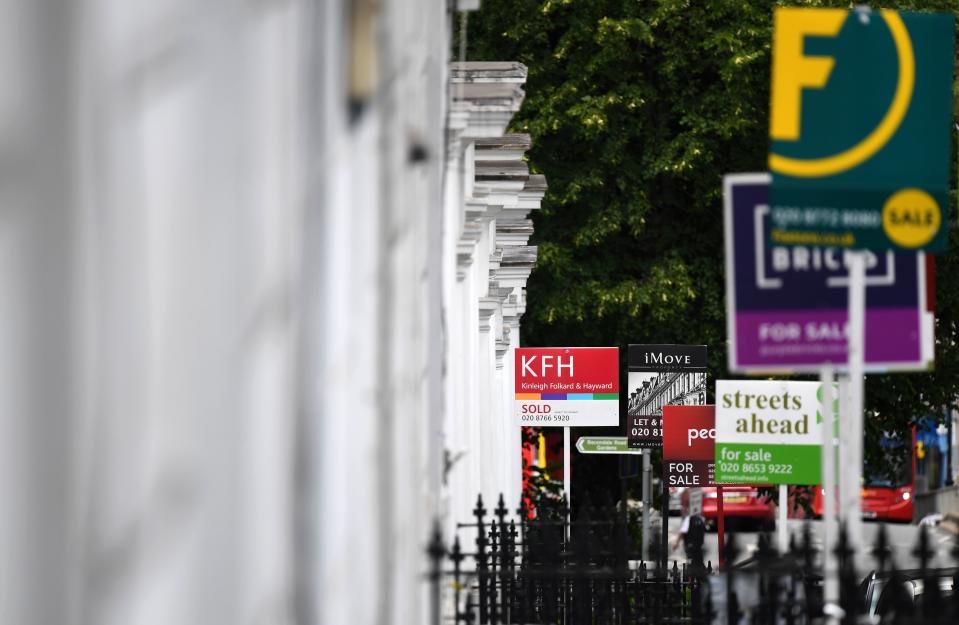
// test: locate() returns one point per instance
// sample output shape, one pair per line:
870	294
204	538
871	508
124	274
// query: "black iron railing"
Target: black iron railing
519	569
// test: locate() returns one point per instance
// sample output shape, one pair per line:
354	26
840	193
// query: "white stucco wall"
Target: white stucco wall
243	325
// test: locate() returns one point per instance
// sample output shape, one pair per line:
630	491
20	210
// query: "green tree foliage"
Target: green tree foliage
637	109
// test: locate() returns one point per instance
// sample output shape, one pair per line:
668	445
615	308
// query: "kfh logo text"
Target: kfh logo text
546	363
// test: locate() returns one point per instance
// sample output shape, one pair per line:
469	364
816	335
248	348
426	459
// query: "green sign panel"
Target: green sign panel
768	432
605	445
860	126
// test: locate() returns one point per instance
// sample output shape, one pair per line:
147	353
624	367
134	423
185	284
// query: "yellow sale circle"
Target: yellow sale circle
911	217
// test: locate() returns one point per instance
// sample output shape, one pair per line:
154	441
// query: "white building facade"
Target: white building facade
263	267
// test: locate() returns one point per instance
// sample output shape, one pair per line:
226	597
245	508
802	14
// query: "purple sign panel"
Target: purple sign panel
787	306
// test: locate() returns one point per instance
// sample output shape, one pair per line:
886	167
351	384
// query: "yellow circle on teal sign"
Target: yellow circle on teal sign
884	131
911	217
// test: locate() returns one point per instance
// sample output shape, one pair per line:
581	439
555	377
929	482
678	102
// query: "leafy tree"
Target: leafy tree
637	109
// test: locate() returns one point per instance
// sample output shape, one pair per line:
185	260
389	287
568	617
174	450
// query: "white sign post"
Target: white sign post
830	568
854	421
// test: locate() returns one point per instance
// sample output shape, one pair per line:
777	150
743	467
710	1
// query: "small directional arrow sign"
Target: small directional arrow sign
605	445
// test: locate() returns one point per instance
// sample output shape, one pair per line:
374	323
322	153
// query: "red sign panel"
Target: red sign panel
567	370
689	444
567	386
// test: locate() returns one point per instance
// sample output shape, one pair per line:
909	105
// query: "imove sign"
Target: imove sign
567	386
787	305
860	128
661	375
768	432
689	444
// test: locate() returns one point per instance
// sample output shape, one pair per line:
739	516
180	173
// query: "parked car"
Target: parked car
877	595
740	503
932	520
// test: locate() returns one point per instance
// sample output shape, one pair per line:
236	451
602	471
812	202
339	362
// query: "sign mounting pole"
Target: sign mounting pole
844	478
566	471
647	502
830	572
721	528
857	334
782	530
664	525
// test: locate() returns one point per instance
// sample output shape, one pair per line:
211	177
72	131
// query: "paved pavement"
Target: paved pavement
903	539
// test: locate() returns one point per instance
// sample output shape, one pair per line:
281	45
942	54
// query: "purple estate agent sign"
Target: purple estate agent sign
787	306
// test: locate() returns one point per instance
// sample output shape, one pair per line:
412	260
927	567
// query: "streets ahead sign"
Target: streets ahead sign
768	432
859	128
787	305
566	386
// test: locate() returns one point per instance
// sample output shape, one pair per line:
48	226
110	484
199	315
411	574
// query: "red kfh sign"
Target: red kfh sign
567	386
689	444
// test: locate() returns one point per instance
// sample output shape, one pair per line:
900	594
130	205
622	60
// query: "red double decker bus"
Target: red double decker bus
886	495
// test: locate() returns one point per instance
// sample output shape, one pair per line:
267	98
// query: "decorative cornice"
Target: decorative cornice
508	147
467	5
488	72
488	307
519	256
495	259
492	91
513	233
503	344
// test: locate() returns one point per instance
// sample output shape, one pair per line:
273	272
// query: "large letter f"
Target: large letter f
792	71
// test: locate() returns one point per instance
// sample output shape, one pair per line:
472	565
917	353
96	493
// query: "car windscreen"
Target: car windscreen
893	470
881	599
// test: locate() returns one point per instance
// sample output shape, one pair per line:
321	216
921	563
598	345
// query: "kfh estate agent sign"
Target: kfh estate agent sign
566	386
661	375
860	128
768	432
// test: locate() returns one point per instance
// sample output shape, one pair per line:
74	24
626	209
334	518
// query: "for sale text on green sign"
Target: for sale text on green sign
860	124
768	432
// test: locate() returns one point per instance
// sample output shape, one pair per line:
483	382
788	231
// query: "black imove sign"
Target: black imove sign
661	375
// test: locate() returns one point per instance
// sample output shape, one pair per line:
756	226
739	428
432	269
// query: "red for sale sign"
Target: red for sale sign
689	443
566	386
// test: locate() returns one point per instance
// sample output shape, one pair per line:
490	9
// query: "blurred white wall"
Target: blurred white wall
259	280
